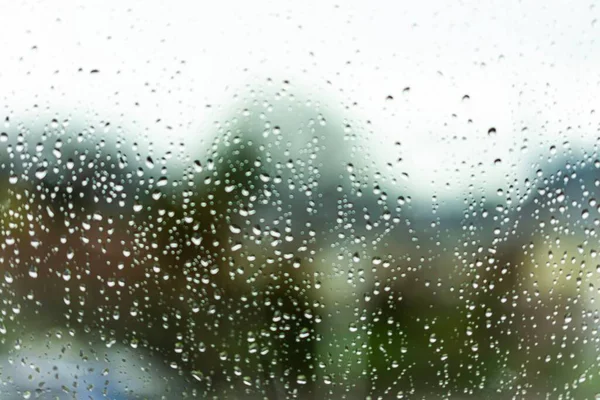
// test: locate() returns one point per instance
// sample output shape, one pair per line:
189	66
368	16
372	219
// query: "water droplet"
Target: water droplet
41	173
162	181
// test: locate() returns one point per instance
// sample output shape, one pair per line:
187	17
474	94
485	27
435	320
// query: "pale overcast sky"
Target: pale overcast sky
530	64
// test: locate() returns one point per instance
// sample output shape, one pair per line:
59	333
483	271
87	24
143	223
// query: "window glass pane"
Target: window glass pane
310	200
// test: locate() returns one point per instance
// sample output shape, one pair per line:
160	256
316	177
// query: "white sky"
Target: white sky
533	64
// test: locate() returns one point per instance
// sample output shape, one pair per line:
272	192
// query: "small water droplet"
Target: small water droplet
585	214
162	181
41	173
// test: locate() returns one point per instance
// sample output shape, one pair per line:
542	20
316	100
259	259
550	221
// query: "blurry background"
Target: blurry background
317	200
